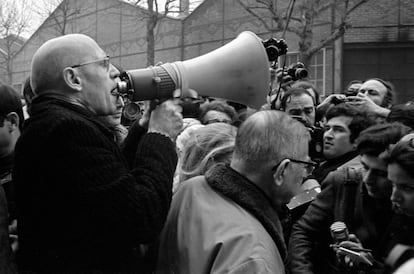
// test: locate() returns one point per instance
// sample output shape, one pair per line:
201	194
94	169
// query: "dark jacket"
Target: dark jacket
80	206
344	198
7	264
400	231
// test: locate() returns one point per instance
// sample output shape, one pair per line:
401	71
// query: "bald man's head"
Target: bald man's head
56	54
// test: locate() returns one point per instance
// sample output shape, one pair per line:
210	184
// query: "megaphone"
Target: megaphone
237	71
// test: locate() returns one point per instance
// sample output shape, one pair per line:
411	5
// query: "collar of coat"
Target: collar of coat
226	181
51	99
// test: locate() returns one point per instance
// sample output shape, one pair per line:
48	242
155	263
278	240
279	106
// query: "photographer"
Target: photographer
299	103
374	95
293	76
359	198
81	208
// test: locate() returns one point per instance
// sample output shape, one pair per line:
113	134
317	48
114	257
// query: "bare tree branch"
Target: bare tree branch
251	12
339	32
304	18
357	5
14	20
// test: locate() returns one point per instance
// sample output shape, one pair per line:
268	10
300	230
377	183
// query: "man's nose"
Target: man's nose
114	72
328	134
120	101
395	195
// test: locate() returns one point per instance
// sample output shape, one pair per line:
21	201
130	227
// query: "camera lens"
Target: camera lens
132	111
272	53
301	73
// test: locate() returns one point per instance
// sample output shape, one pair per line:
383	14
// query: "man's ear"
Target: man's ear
280	172
13	120
72	79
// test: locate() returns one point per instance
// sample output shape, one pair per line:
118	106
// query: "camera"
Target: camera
297	71
275	48
316	141
351	93
316	144
338	100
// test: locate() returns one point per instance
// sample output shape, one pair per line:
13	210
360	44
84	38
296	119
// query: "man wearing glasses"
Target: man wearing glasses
81	208
227	220
359	198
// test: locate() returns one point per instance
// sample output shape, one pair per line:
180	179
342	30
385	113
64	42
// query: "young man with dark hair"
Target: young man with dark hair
359	198
11	121
343	125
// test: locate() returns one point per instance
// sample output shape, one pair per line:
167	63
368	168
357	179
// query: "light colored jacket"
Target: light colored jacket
206	232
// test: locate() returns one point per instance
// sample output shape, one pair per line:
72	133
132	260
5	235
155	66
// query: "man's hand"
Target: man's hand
333	99
167	119
364	101
352	254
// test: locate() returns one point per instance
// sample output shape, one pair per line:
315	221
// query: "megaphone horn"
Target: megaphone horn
237	71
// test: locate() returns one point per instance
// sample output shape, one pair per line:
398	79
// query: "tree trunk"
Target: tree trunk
305	42
9	72
151	23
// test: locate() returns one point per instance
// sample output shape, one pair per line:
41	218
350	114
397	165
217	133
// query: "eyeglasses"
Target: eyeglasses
309	166
105	62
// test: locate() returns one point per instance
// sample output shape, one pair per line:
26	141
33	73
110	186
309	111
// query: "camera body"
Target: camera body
337	101
275	48
297	71
316	144
316	140
351	93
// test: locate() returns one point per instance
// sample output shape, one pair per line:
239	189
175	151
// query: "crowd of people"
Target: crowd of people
200	185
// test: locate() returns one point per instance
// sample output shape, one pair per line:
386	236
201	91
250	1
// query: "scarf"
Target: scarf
228	182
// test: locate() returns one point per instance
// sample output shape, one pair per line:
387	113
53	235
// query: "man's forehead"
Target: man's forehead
303	100
340	120
374	85
373	162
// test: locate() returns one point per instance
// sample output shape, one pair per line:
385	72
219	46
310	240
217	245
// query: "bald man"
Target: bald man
374	95
81	207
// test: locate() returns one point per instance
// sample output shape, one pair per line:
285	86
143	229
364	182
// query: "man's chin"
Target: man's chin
399	210
327	153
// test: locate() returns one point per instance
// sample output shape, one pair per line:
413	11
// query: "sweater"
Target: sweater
80	206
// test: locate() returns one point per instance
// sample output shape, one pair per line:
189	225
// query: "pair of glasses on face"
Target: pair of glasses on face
309	166
105	61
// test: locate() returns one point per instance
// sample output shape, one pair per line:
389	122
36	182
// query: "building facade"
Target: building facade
378	43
